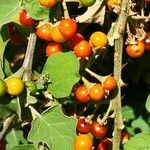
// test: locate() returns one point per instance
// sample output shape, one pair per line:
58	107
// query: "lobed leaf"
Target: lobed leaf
63	71
54	128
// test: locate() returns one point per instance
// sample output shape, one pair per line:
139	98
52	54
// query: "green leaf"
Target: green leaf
30	99
54	128
25	147
148	103
63	71
37	12
140	141
15	138
9	9
128	113
140	124
8	106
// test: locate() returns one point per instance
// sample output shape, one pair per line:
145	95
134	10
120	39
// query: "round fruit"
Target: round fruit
109	83
87	3
147	42
98	131
15	86
53	48
43	32
48	3
68	27
83	126
83	49
105	144
83	142
2	145
73	41
113	3
98	39
82	94
25	19
135	50
125	136
56	35
97	92
2	88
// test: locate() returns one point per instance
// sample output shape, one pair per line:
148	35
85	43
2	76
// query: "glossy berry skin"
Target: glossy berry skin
83	127
48	3
83	142
98	131
25	19
87	3
53	48
82	94
2	88
2	145
73	41
105	144
109	83
135	50
147	42
125	136
97	92
82	49
15	86
68	27
56	35
43	32
98	39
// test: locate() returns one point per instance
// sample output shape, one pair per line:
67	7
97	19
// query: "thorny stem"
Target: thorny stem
120	25
26	69
6	125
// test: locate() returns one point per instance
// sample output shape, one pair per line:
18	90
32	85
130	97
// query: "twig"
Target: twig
26	68
6	125
119	31
98	77
66	13
107	113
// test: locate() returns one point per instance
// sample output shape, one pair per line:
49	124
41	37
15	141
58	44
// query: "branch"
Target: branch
118	39
26	69
6	125
118	28
102	121
94	13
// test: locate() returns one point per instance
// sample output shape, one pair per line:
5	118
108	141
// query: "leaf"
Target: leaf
54	128
9	9
25	147
128	113
148	103
37	12
63	71
30	99
140	141
15	138
140	124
